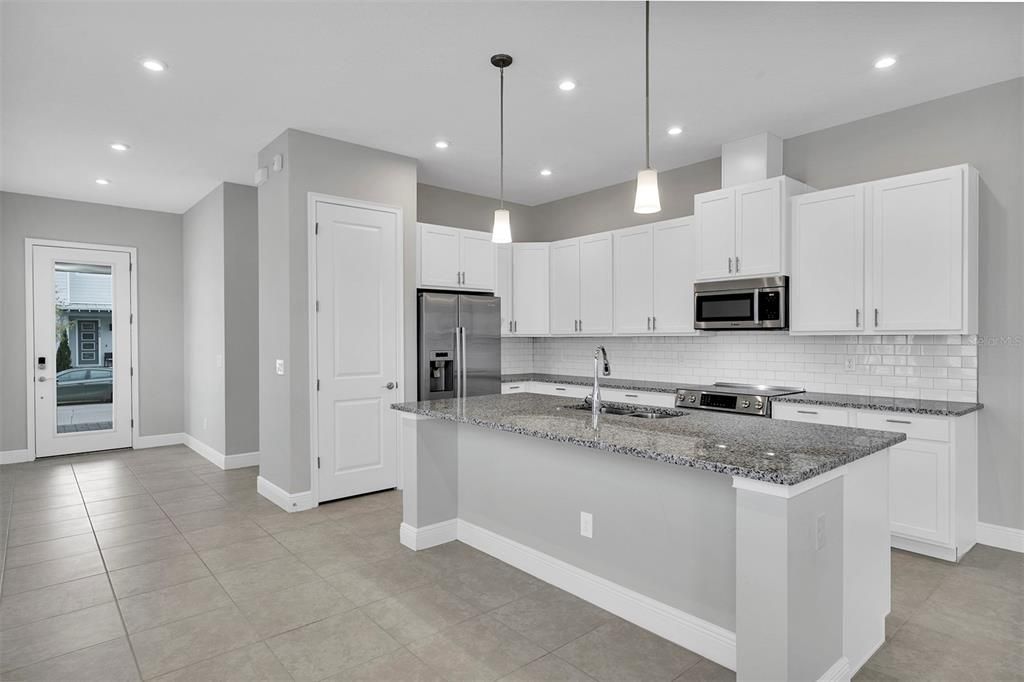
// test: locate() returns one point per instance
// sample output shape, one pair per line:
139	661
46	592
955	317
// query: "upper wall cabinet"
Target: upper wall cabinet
581	285
744	231
453	258
503	284
653	281
530	290
893	256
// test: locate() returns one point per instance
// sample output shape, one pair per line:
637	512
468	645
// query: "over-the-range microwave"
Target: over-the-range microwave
759	303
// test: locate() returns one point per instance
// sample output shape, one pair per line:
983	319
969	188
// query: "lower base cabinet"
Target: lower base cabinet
933	475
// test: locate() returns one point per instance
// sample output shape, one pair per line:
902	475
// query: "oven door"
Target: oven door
729	309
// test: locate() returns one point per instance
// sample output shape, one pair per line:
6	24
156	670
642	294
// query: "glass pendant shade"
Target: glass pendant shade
647	198
502	232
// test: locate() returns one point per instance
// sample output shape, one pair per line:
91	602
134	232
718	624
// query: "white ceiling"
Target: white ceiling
398	76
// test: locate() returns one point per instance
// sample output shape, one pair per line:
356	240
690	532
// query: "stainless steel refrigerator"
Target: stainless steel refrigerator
459	345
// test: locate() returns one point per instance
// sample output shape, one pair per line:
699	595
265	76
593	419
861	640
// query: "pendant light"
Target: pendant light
647	198
502	231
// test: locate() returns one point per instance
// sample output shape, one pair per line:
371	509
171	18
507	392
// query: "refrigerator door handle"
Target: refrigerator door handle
465	381
458	364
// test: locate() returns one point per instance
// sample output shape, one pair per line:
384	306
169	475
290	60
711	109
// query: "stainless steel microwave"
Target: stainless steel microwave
760	303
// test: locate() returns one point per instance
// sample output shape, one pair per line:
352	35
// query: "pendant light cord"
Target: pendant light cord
501	139
647	80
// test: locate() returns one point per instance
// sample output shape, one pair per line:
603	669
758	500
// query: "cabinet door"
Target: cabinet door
715	213
917	251
674	268
503	284
827	288
530	289
596	290
633	280
476	257
759	229
439	256
565	286
919	496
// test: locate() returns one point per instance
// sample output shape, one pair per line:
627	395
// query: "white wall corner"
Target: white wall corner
15	456
212	454
290	502
428	536
160	440
1003	537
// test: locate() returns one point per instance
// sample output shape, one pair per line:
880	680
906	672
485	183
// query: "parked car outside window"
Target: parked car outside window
83	386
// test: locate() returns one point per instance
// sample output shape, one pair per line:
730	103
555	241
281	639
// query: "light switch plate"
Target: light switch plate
279	366
586	525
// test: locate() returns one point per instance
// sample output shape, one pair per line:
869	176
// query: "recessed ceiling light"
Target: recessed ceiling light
675	130
567	85
154	65
545	172
441	144
885	62
120	147
102	181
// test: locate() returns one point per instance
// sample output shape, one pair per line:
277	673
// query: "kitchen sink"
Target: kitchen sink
632	412
655	415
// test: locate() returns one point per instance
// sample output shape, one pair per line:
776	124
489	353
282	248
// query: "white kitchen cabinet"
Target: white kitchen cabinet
674	262
530	290
653	281
744	231
565	286
453	258
633	281
827	286
892	256
921	235
933	475
503	284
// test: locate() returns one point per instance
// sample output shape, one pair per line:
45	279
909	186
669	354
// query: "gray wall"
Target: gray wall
203	289
449	207
982	127
313	164
221	320
241	321
158	238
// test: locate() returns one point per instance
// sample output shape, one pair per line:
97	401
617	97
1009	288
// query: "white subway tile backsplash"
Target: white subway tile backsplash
914	366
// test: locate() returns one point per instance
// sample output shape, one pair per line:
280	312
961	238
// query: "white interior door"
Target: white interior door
357	349
82	351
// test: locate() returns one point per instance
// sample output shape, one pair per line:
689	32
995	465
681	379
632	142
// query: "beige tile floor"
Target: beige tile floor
156	564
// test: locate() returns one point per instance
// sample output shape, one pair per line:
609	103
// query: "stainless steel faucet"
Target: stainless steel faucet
595	398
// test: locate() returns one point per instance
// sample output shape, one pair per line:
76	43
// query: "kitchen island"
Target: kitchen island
762	545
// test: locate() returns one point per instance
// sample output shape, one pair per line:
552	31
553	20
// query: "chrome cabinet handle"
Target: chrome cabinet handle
654	323
806	412
648	324
876	317
730	264
857	323
632	395
737	263
899	421
581	325
559	388
515	326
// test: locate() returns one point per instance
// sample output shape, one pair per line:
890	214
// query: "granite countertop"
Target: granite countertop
861	402
941	408
606	382
775	451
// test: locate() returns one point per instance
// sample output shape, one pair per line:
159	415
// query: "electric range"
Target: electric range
751	399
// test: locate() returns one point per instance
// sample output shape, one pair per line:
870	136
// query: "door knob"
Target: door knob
42	379
390	385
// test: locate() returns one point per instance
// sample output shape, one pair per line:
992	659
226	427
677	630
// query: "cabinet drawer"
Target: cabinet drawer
926	428
620	395
814	414
519	387
567	390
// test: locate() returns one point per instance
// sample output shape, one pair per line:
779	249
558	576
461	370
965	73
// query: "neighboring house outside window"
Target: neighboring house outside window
84	304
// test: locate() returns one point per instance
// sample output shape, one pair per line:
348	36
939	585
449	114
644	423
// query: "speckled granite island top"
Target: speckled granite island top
774	451
942	408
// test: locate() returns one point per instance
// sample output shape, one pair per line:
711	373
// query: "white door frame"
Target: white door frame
30	410
314	427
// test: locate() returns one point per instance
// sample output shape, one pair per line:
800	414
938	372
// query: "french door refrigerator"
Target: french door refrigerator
459	345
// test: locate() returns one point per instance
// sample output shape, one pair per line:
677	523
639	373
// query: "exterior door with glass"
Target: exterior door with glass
82	354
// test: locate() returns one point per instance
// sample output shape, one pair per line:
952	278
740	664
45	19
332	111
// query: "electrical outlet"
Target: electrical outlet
279	366
850	365
586	525
206	423
820	531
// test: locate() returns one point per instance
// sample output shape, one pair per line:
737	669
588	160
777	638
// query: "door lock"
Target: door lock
390	385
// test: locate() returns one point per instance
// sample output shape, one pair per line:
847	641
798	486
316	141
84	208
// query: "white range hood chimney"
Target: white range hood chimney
754	158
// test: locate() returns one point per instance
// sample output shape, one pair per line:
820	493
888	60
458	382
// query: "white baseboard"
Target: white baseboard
839	672
428	536
1003	537
245	459
923	547
707	639
290	502
158	441
16	456
241	460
